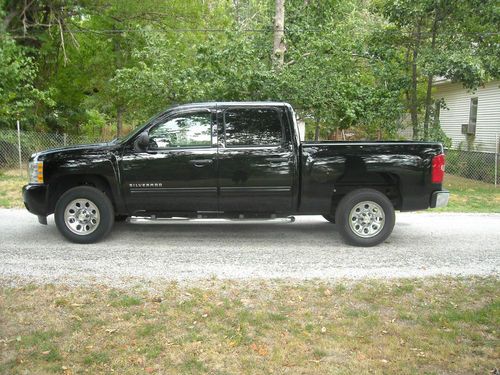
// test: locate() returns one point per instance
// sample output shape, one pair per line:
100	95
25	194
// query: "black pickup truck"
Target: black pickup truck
236	160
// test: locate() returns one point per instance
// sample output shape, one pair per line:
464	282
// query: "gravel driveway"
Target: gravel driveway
422	244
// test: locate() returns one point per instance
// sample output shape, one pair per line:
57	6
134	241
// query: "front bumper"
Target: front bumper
440	198
36	199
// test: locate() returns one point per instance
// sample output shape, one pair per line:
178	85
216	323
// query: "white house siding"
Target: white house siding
457	100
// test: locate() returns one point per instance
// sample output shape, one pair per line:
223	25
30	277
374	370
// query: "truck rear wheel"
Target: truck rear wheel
365	217
84	214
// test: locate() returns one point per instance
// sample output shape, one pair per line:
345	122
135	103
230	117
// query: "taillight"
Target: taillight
438	169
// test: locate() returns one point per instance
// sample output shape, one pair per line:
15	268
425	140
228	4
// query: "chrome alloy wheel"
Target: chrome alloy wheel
367	219
81	216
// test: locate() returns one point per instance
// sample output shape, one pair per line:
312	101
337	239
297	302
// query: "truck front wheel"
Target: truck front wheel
365	217
84	214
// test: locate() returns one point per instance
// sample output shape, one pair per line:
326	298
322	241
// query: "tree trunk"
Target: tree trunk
316	131
430	78
279	47
119	121
236	5
414	85
118	64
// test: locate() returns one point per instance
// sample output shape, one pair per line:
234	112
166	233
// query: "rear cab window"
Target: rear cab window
245	127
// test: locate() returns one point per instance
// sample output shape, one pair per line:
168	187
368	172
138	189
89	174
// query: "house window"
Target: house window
472	116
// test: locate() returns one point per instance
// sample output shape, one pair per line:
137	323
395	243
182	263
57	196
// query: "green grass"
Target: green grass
411	326
466	195
119	299
96	358
11	183
471	196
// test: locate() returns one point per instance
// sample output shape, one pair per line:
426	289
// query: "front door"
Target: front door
178	171
256	160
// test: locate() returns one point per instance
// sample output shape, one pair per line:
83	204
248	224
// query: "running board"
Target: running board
177	220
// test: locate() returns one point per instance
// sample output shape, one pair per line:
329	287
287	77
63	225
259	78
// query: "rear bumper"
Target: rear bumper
35	199
440	198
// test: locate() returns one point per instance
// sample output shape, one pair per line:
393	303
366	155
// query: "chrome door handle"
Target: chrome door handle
201	163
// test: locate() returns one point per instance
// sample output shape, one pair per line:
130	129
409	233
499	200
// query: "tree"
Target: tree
17	76
437	38
279	47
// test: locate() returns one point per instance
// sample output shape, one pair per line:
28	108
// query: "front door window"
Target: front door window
186	130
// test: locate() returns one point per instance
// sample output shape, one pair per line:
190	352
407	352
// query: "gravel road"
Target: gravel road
422	244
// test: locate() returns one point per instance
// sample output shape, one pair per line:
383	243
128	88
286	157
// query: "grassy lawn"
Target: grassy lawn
467	195
10	188
431	326
471	196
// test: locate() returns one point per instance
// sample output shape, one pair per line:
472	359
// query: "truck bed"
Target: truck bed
400	169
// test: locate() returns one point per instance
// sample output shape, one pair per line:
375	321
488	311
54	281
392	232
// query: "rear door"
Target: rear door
256	160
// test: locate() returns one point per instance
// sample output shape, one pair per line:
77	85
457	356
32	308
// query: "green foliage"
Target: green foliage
107	62
17	78
425	39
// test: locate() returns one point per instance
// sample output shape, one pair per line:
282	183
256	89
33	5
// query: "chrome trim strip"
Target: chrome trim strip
176	190
256	188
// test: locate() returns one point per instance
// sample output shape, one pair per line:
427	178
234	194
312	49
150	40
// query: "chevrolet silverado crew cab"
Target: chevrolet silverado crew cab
233	160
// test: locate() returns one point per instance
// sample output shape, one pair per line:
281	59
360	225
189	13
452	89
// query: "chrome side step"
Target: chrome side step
178	220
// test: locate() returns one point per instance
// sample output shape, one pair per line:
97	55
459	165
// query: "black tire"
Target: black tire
99	200
350	203
330	218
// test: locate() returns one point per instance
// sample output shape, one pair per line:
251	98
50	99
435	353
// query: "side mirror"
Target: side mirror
141	143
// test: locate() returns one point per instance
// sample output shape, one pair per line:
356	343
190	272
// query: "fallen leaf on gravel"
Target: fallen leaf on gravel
327	292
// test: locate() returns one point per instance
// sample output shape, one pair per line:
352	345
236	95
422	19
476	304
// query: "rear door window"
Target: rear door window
253	127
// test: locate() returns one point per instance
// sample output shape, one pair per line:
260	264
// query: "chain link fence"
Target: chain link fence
475	165
31	142
481	166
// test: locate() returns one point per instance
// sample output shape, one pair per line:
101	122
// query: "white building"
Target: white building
470	117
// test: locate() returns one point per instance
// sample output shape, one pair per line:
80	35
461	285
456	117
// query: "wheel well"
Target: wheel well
62	184
386	183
